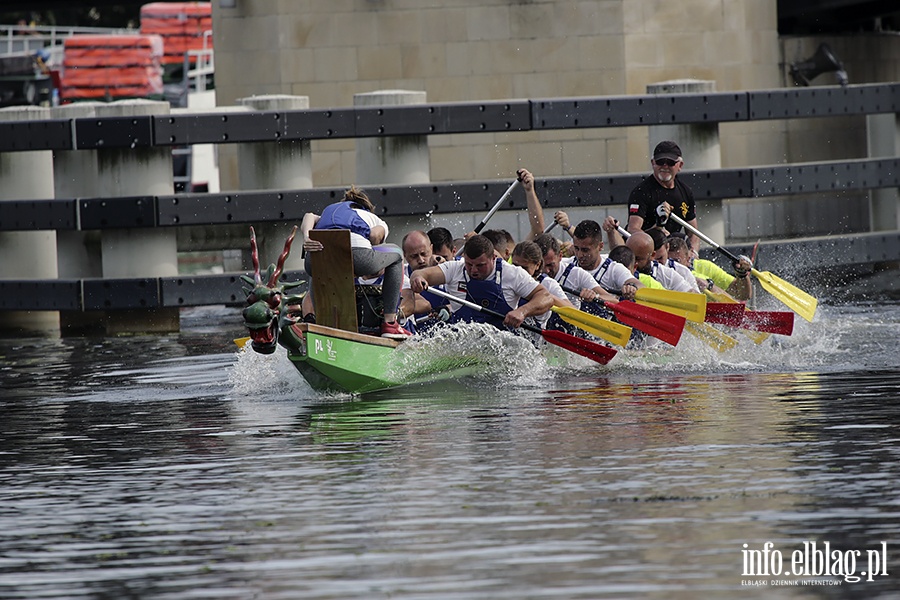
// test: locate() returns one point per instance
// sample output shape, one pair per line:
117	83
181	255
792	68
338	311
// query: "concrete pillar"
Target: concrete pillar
78	252
127	253
397	159
27	254
883	140
281	165
699	143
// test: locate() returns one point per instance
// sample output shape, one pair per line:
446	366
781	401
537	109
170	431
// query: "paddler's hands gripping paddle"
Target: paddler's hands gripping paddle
612	332
592	350
791	296
496	207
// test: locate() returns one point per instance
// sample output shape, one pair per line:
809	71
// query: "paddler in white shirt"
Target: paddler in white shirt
486	280
650	270
528	255
661	255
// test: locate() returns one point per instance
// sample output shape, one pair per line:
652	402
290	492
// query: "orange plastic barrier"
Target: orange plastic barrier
181	24
111	66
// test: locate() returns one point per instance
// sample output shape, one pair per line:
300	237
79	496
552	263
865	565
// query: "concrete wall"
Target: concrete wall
466	50
867	58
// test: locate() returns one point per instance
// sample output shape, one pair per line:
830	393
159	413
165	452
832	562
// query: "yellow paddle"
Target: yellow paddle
791	296
614	333
241	342
689	305
711	336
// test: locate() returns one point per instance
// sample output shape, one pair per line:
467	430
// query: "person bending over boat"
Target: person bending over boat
425	310
486	280
650	272
366	228
442	243
587	245
661	255
529	256
716	279
567	273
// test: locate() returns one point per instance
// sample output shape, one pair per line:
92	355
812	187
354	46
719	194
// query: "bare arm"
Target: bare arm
412	303
422	278
306	225
538	302
563	220
693	241
613	237
561	302
535	211
377	235
635	224
741	288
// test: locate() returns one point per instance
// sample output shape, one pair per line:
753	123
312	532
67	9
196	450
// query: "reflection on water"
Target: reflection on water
175	467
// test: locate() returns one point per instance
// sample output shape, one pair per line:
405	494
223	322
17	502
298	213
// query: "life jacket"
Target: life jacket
554	321
341	215
488	293
598	274
565	274
596	308
648	281
707	269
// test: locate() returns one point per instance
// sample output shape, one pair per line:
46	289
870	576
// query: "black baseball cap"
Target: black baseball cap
667	149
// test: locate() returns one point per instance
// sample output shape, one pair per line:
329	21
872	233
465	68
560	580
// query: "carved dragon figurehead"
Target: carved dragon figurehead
269	307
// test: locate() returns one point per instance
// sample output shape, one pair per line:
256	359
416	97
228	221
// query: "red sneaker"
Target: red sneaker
394	331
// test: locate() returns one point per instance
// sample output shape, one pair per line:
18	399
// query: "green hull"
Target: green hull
339	361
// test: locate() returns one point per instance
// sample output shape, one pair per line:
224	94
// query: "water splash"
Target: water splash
495	357
269	375
498	359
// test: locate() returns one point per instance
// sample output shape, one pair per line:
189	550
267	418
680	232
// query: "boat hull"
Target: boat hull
341	361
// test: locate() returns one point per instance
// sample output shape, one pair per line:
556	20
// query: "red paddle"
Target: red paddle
657	323
725	313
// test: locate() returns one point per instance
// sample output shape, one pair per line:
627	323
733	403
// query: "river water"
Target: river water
179	467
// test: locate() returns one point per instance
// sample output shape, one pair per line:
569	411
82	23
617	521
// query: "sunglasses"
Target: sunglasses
665	162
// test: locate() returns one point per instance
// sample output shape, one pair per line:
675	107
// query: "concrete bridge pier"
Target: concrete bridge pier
699	143
883	140
281	165
135	253
78	252
393	159
27	254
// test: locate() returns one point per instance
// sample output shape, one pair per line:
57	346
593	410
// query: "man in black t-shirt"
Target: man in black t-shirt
645	209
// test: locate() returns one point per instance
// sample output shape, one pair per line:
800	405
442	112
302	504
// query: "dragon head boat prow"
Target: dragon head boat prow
270	306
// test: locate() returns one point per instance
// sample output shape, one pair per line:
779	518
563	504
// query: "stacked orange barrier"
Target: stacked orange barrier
107	67
181	25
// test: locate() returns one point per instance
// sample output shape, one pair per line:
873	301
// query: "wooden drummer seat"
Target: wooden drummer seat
334	294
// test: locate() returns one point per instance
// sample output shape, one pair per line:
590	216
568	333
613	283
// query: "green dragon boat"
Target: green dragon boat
335	360
334	356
